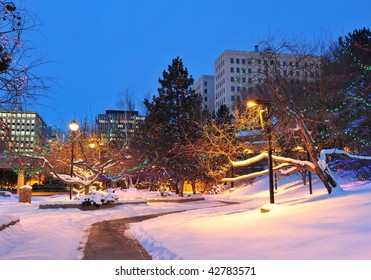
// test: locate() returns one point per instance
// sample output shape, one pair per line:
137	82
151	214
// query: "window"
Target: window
232	60
205	83
232	70
243	61
249	70
237	60
244	79
205	90
238	69
232	88
238	89
232	97
232	79
205	98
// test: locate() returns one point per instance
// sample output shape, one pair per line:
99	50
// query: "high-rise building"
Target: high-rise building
23	131
204	86
118	124
237	72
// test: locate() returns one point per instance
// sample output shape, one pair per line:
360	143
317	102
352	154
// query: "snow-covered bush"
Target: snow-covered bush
216	189
97	198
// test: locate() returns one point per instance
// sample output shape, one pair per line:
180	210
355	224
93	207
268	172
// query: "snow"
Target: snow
299	226
26	187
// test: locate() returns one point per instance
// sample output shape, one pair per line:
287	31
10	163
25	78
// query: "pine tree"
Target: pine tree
173	121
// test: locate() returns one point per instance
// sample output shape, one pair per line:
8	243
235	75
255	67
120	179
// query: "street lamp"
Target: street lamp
266	104
74	126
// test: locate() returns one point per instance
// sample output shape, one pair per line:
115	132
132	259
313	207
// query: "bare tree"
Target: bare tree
93	157
288	77
18	83
126	101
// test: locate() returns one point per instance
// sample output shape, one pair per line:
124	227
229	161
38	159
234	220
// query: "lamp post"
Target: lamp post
266	104
74	126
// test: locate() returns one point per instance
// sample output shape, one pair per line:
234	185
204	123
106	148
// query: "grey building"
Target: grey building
204	86
238	72
23	131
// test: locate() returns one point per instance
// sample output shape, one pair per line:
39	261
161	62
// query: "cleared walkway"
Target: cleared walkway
110	240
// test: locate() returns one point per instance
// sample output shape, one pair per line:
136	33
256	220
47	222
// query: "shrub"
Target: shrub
97	198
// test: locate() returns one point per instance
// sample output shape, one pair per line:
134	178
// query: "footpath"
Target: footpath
111	240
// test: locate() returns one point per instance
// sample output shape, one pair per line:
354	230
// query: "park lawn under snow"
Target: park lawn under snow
298	226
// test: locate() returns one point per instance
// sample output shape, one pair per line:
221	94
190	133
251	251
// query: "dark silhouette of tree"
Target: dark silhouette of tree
223	116
173	119
19	85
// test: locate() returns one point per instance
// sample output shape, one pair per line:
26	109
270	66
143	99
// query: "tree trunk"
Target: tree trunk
304	177
193	186
324	175
176	187
181	187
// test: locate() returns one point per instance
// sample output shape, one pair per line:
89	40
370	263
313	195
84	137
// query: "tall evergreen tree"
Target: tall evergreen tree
173	120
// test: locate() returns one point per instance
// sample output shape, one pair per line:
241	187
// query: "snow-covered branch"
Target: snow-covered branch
255	174
299	163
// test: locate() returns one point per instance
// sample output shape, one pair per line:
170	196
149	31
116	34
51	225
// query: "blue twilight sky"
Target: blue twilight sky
101	48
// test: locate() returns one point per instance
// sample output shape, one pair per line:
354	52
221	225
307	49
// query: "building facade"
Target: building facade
204	86
118	124
236	73
23	131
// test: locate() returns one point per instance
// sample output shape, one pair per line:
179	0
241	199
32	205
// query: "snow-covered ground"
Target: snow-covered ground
299	226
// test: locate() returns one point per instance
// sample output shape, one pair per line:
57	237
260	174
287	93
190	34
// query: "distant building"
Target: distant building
118	124
204	86
236	73
23	131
